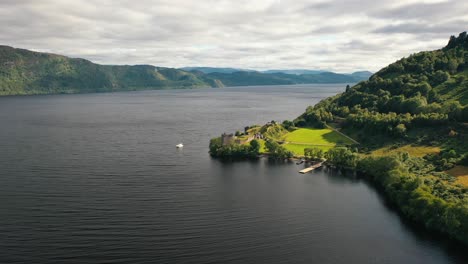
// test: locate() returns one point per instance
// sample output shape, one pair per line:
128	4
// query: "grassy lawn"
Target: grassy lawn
415	151
298	149
461	172
262	145
326	137
302	138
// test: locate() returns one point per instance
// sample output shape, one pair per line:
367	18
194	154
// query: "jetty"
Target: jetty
311	168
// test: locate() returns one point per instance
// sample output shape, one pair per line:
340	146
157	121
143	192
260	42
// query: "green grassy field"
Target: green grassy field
316	137
262	145
302	138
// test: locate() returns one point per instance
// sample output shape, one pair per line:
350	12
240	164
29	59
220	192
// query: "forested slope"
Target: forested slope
418	102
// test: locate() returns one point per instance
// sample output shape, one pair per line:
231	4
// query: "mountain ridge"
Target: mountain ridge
364	74
25	72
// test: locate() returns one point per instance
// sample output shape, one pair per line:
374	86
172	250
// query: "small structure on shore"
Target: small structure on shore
311	168
227	139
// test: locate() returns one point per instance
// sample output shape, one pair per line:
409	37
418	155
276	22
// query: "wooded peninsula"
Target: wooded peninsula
404	129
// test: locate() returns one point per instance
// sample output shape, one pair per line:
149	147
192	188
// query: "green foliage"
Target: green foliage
27	72
342	157
314	153
255	147
400	129
274	131
426	89
446	159
317	117
428	200
235	151
419	99
289	125
276	151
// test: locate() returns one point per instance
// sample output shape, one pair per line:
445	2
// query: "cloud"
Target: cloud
336	35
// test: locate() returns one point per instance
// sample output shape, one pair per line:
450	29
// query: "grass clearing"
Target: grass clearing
415	151
262	145
326	137
461	172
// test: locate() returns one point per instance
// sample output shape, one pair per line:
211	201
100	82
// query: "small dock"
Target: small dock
311	168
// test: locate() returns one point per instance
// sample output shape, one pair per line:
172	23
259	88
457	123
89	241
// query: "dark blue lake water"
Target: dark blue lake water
96	178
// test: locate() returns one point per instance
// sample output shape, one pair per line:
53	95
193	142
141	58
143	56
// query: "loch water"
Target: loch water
96	178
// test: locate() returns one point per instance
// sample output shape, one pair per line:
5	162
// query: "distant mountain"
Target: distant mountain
362	74
295	71
258	78
213	69
27	72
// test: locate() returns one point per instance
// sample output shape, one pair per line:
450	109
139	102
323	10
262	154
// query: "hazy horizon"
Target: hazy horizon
269	34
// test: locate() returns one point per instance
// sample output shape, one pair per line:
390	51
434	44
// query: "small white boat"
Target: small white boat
180	145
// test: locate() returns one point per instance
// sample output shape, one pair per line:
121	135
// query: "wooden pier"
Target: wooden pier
311	168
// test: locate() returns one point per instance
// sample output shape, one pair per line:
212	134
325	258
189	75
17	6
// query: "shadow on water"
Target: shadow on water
452	247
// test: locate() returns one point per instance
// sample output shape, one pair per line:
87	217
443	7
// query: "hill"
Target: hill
244	77
362	74
24	72
426	89
295	71
257	78
27	72
411	121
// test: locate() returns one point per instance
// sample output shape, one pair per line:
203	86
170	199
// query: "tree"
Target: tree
313	153
440	77
452	66
400	130
287	124
342	157
255	147
277	151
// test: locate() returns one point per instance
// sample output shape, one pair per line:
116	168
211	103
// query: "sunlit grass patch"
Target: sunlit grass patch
316	137
415	151
262	145
461	172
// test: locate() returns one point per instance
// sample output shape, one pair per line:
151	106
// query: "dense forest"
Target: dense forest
27	72
421	100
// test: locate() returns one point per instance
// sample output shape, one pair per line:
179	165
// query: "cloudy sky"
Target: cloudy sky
344	36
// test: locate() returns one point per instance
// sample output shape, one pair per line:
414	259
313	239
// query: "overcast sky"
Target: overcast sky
344	36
